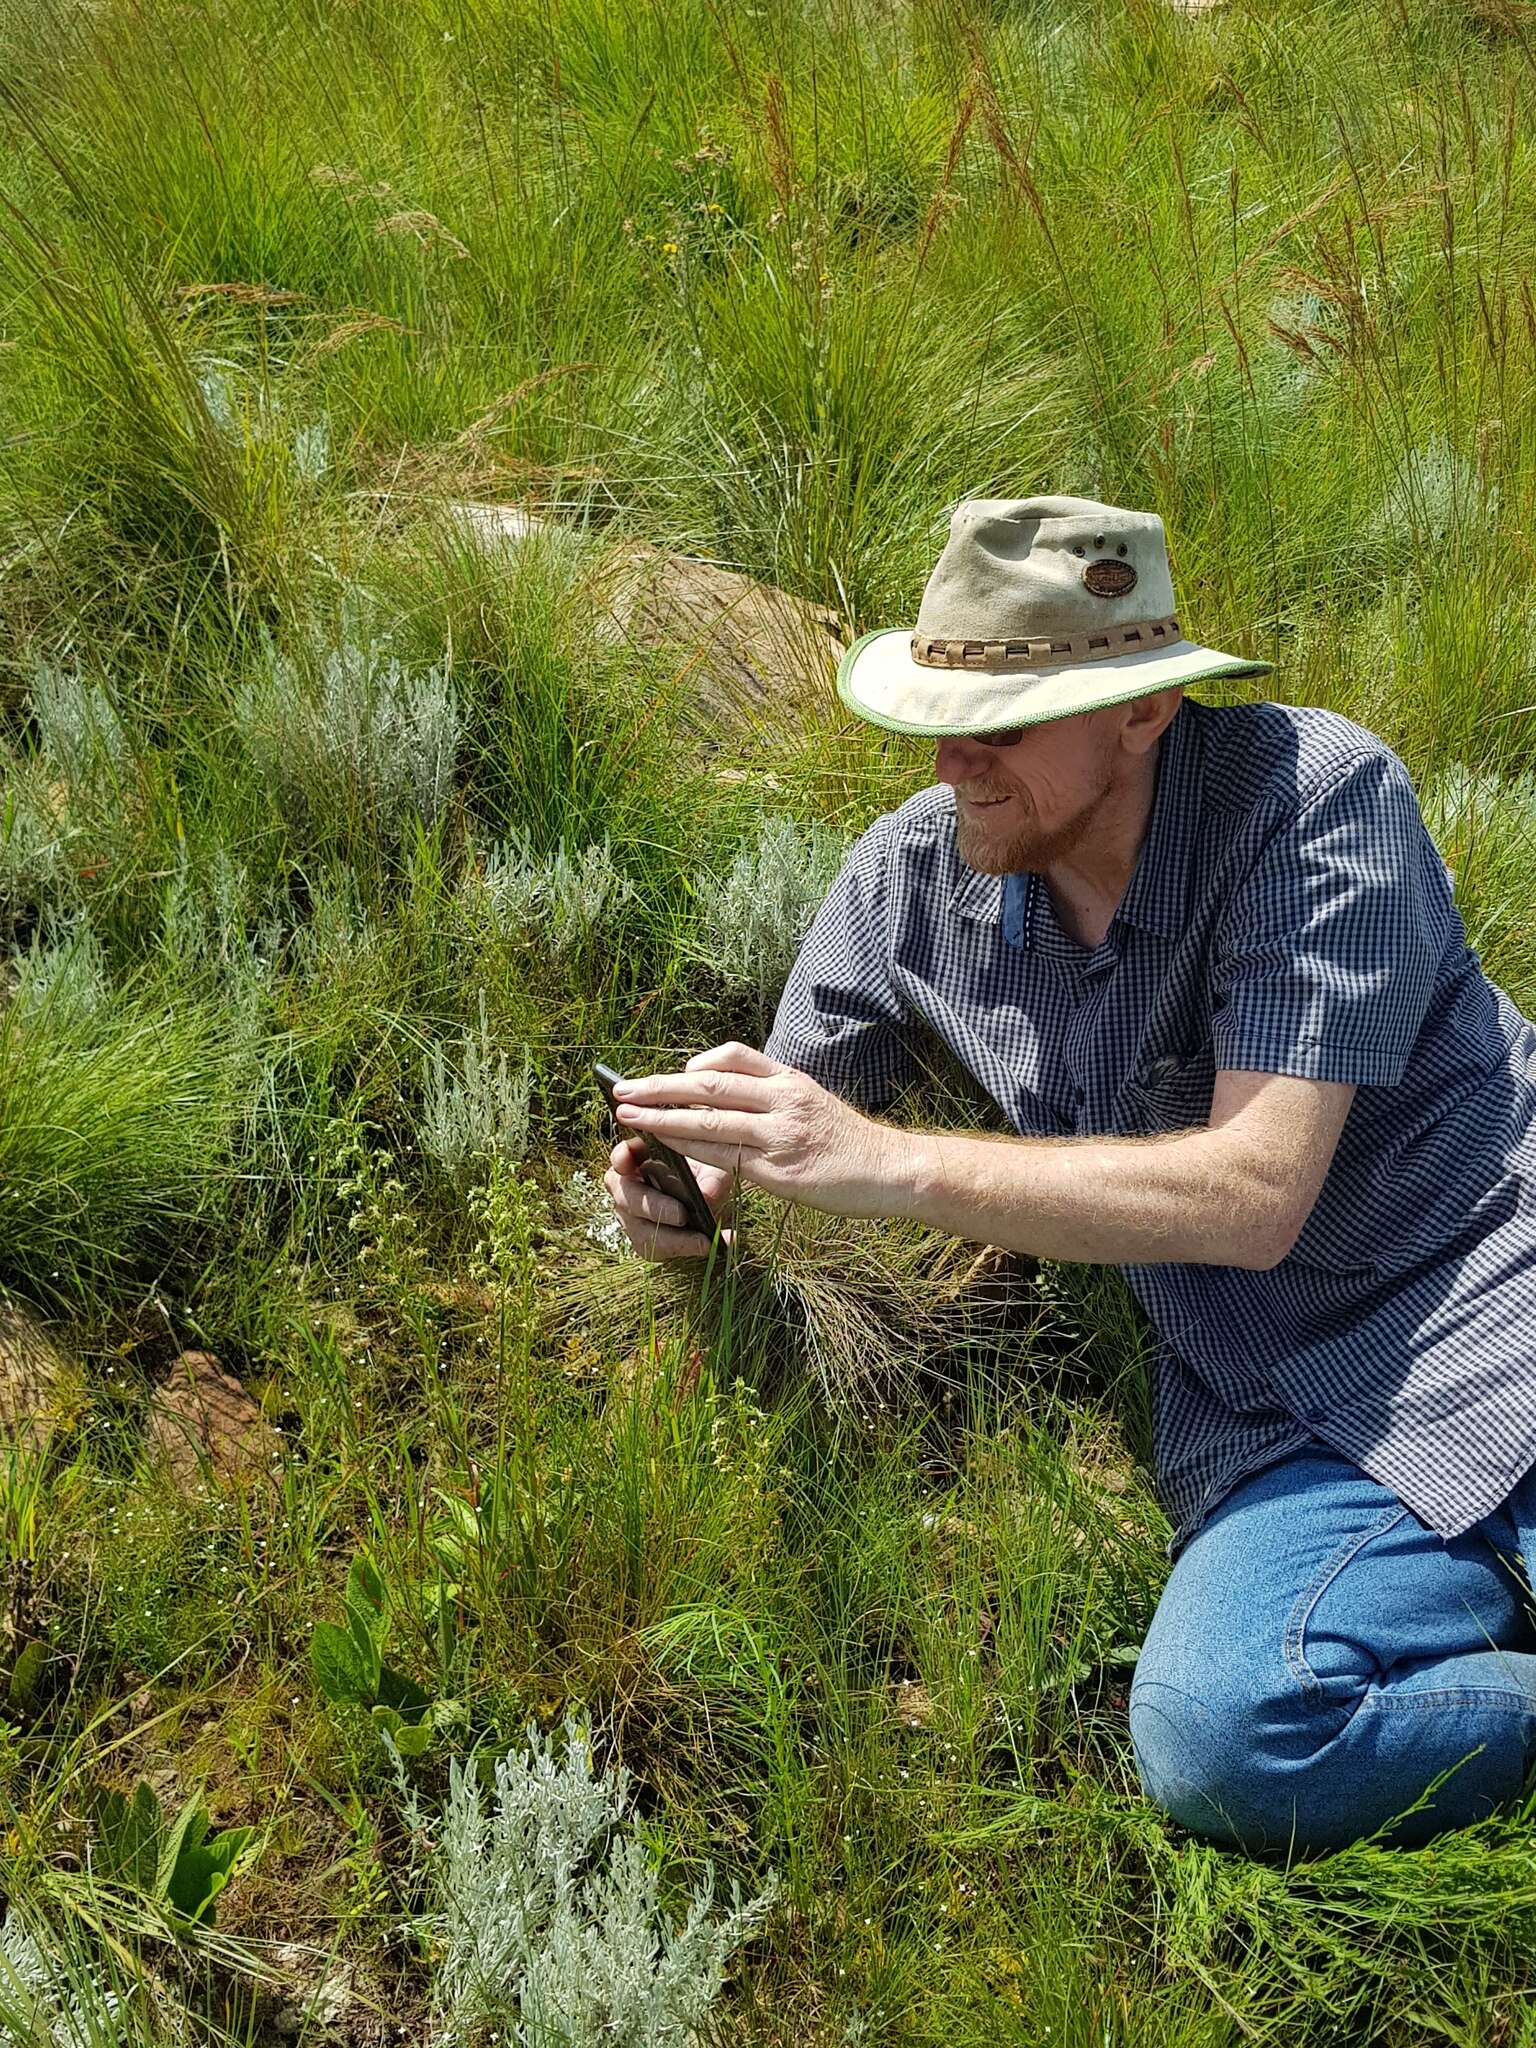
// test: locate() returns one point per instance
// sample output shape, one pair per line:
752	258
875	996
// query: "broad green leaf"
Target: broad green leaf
439	1594
365	1590
128	1833
344	1669
202	1872
26	1676
396	1690
368	1633
181	1838
461	1539
411	1739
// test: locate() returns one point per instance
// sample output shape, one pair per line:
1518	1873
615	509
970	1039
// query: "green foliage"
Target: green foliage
751	919
175	1864
348	1667
1485	824
114	1125
479	1110
356	752
548	1910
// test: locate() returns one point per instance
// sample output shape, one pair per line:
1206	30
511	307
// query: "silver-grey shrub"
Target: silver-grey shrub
340	932
477	1109
57	793
213	930
1479	801
751	920
311	450
46	2004
66	971
508	884
1436	492
561	902
79	724
546	1915
1307	337
589	1204
580	895
248	414
355	732
1485	826
36	873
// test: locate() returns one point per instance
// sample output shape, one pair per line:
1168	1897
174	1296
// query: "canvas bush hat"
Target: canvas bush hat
1038	607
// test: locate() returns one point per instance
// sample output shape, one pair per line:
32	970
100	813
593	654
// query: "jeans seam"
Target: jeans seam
1307	1599
1449	1696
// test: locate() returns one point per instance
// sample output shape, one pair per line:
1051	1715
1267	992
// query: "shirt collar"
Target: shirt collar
1155	899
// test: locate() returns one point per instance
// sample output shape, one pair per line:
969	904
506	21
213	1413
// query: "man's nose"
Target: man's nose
959	759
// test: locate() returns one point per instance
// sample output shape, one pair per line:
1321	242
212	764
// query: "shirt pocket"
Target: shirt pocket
1167	1091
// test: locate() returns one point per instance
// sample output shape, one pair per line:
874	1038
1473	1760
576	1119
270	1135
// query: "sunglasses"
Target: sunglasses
1008	738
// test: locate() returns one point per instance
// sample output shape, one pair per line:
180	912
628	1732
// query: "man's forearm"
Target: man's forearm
1123	1201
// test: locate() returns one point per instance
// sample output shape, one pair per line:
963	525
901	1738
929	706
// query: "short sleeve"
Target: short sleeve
839	1019
1326	957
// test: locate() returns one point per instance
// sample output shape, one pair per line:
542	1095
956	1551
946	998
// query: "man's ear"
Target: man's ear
1147	718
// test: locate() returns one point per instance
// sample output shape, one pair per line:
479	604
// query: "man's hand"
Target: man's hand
654	1223
773	1127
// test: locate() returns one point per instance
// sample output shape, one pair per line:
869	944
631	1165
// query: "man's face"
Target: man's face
1024	807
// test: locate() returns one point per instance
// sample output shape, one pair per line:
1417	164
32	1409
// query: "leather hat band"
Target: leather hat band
1015	657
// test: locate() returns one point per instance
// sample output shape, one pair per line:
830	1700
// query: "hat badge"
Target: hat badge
1107	577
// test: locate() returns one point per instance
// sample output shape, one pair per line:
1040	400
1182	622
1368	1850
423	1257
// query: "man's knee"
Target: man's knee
1224	1766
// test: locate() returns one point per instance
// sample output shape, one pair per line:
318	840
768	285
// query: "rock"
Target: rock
1107	1483
319	1992
758	654
162	1774
203	1423
41	1387
914	1703
494	525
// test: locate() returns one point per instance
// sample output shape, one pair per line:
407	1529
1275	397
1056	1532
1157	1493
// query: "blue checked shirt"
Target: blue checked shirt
1290	913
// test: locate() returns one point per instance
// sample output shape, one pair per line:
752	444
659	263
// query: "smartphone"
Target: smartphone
663	1169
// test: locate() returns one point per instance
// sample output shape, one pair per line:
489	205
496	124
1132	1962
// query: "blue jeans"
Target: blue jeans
1319	1657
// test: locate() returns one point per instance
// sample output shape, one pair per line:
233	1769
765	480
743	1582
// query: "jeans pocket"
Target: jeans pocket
1314	1687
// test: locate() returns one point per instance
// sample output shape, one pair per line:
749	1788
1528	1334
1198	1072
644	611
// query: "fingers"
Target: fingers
734	1057
636	1201
655	1242
714	1184
703	1089
654	1222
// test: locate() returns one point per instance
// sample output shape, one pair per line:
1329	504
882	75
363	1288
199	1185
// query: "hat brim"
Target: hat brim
878	679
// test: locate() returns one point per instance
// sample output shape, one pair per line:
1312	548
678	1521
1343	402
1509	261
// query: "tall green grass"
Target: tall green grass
114	1137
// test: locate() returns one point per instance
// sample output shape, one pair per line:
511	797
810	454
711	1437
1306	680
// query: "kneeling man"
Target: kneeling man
1209	964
